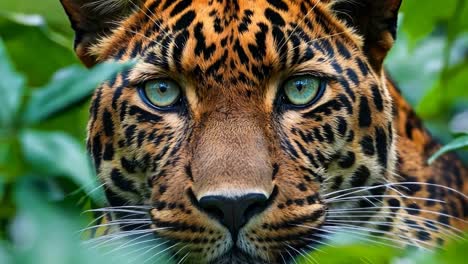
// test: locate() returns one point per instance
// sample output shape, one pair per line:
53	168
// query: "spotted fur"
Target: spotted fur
357	158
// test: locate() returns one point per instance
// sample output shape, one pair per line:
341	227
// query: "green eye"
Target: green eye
162	93
302	90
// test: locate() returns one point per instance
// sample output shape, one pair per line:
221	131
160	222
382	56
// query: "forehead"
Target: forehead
242	41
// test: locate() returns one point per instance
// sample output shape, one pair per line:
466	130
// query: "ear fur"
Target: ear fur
375	21
91	19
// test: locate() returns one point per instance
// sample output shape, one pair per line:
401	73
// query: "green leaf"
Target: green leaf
458	143
356	253
464	18
2	186
35	20
44	233
5	256
456	252
36	51
438	101
415	70
11	89
422	17
51	10
67	88
57	154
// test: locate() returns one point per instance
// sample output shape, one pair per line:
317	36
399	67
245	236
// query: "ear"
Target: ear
375	21
91	19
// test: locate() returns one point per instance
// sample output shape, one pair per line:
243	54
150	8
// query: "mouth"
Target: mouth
237	256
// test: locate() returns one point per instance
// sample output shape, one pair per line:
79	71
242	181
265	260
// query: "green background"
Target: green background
46	181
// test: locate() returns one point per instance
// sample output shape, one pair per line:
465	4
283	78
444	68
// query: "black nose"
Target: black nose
234	212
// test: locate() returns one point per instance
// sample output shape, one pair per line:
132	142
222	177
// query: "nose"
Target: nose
234	213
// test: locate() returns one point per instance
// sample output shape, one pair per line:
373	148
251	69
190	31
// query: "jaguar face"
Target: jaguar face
241	120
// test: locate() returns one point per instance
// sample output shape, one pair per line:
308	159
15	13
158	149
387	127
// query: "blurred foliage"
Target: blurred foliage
46	180
358	252
430	63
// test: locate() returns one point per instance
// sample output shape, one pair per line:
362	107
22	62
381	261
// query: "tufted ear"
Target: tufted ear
91	19
375	21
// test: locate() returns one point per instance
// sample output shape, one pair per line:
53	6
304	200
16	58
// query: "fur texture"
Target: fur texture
355	160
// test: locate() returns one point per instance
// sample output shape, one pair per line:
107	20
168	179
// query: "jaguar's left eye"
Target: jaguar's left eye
161	93
302	90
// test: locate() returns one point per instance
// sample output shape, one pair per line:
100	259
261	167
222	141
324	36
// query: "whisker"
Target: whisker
401	184
309	256
364	236
162	251
182	260
404	208
438	185
128	254
152	41
129	243
177	252
149	250
109	210
319	242
94	189
318	39
354	189
301	252
297	26
103	242
314	248
385	223
282	257
292	257
445	228
116	236
152	19
116	224
367	230
383	196
143	207
138	243
111	235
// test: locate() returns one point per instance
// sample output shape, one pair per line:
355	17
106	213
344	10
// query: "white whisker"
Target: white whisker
182	260
404	208
444	228
117	224
352	198
129	243
116	210
160	252
297	26
368	229
292	257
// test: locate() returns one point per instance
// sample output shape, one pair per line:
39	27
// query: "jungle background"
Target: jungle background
47	182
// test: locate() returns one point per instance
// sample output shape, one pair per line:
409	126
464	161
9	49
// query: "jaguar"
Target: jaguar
253	131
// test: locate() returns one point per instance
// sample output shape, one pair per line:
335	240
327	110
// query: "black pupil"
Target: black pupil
299	85
163	87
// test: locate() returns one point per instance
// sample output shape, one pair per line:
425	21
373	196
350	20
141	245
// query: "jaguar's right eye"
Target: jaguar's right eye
161	93
301	91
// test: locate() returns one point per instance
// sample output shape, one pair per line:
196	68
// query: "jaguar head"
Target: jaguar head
242	123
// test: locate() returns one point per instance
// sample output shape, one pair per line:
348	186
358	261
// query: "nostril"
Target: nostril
234	212
212	207
255	208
